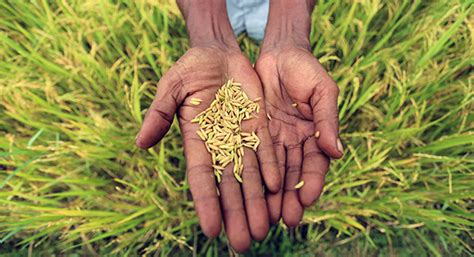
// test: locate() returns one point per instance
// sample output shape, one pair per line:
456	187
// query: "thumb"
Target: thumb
160	115
325	117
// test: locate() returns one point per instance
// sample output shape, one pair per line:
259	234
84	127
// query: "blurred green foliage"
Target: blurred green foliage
77	76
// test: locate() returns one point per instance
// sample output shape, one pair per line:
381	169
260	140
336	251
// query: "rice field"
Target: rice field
76	78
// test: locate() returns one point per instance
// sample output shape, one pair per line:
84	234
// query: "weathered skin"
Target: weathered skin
199	74
291	74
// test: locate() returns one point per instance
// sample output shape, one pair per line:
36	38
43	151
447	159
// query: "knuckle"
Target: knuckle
263	148
201	168
313	153
253	197
164	115
293	147
293	168
268	162
290	188
228	178
251	170
233	209
203	198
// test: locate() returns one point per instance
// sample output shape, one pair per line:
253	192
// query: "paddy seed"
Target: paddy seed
317	134
299	185
220	128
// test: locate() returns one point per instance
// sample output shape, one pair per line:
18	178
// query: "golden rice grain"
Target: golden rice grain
294	104
195	101
201	135
220	128
317	134
299	185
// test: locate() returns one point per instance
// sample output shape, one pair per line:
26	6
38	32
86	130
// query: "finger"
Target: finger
255	205
265	152
325	116
161	112
201	181
274	200
268	160
315	167
292	208
235	220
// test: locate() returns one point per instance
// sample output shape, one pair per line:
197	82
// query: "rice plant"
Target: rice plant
76	77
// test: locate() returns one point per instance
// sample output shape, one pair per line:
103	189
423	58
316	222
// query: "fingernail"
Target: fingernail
136	137
339	146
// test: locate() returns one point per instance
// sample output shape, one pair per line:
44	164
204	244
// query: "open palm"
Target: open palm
301	99
199	74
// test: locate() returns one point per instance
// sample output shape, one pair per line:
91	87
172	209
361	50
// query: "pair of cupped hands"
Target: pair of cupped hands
298	137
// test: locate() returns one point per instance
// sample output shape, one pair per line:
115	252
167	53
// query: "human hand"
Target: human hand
301	99
199	73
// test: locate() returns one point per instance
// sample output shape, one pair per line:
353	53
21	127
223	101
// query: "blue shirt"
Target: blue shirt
248	16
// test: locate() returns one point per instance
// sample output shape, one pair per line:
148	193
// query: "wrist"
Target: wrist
207	23
288	25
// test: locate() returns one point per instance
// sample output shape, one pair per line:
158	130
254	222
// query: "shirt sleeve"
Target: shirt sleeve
248	16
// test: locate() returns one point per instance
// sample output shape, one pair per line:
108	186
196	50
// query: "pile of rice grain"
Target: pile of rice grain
220	128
